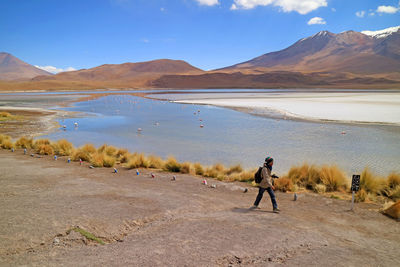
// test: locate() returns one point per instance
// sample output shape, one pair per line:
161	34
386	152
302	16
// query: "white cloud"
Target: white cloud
162	9
360	14
300	6
316	20
387	9
54	70
372	14
208	2
333	9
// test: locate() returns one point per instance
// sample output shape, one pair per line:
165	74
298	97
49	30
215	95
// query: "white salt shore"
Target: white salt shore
377	108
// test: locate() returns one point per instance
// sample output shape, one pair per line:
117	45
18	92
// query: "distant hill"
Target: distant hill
126	73
12	68
355	52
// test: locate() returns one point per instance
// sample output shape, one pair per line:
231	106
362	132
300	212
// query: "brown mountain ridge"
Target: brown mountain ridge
12	68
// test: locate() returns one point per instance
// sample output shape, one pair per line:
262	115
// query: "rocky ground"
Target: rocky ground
148	221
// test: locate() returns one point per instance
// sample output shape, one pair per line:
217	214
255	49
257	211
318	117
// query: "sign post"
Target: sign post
355	186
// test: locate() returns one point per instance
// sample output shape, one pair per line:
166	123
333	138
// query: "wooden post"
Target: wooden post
352	201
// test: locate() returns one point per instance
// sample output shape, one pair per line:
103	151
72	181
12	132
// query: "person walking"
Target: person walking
266	185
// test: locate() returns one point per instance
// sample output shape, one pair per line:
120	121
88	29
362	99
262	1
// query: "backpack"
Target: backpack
257	175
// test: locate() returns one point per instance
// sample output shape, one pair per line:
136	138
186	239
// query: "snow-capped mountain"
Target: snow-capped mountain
382	33
365	52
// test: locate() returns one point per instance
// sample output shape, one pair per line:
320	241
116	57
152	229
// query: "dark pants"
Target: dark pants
271	194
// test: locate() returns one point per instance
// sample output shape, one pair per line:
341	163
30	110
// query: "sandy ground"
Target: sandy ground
381	108
152	222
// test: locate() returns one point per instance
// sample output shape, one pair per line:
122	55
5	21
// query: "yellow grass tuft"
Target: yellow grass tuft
5	141
96	159
63	148
393	180
84	153
138	161
45	149
305	176
108	150
122	155
283	184
234	169
333	178
188	167
108	161
40	142
101	159
24	142
172	165
395	193
5	114
198	168
156	162
361	196
372	183
7	144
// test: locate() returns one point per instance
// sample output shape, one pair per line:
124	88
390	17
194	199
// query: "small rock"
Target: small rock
245	190
173	178
213	186
91	167
56	241
32	155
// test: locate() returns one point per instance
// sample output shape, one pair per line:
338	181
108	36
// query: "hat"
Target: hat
268	159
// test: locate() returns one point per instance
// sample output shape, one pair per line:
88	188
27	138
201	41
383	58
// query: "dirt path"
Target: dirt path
148	222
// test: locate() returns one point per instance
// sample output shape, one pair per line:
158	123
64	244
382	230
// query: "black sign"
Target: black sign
355	183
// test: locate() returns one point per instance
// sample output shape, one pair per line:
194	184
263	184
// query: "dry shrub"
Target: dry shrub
122	155
3	138
39	142
84	153
371	183
234	169
305	176
283	184
63	148
198	168
44	149
156	162
395	193
7	144
96	159
393	180
108	161
216	171
108	150
320	188
247	176
172	165
138	161
333	178
5	114
24	142
361	195
187	167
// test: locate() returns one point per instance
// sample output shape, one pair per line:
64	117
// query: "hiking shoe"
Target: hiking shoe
276	210
254	207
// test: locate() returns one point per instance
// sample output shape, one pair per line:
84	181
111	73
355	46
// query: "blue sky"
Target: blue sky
208	34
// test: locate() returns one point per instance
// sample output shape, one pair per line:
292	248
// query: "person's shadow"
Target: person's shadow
247	210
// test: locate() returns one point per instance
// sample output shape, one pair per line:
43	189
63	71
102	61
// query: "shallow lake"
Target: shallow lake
228	136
